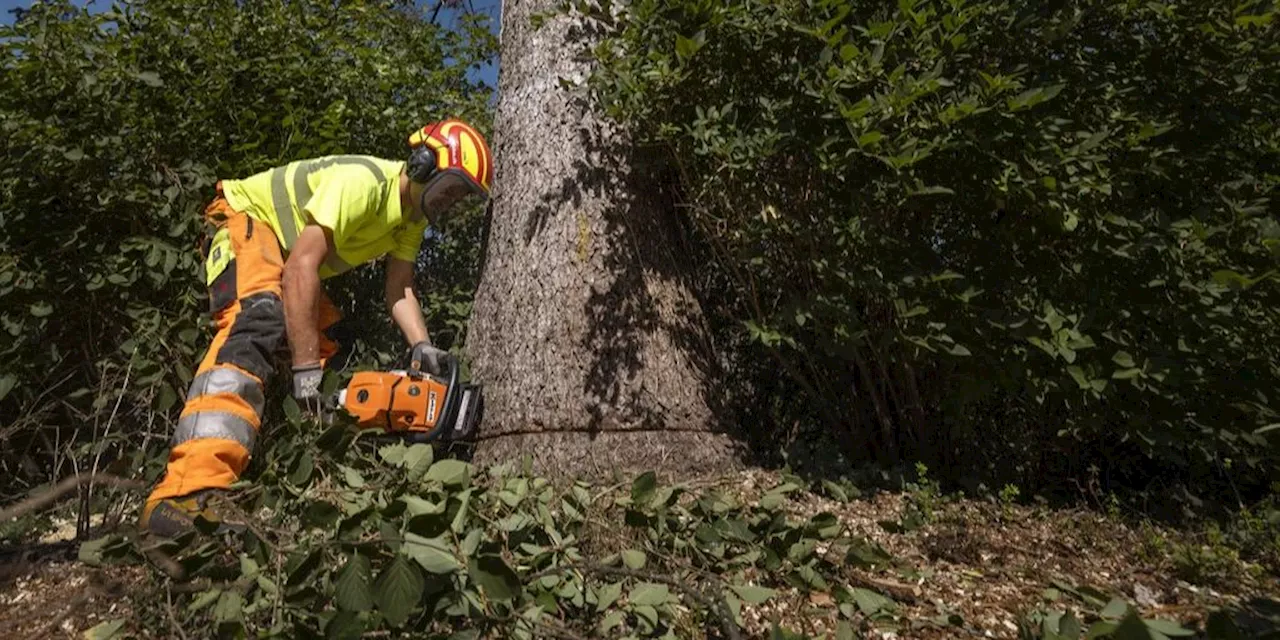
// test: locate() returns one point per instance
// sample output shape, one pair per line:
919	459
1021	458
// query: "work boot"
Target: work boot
172	517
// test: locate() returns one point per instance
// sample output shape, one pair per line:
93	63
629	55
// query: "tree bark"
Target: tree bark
586	334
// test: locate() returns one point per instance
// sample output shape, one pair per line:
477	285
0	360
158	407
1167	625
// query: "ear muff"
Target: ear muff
422	164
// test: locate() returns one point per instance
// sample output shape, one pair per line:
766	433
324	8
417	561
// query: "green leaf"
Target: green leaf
1132	628
150	78
612	620
109	630
607	595
824	525
647	615
352	477
934	190
165	399
1221	626
302	467
801	550
495	577
399	588
41	309
649	594
393	453
1069	627
835	491
320	513
633	559
1233	279
771	501
204	599
1115	609
1123	359
734	530
416	506
1260	20
351	588
865	553
417	460
752	594
230	607
1101	629
1079	376
345	625
1070	221
300	565
90	551
434	554
248	567
870	602
844	631
686	47
7	383
1168	628
1035	96
472	542
450	472
459	523
291	410
870	138
642	488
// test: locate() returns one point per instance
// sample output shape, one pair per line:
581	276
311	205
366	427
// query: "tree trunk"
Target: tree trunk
586	335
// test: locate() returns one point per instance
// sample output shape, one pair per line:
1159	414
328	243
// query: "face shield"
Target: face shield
442	192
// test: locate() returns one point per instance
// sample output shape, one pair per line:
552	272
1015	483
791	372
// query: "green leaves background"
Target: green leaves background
1040	236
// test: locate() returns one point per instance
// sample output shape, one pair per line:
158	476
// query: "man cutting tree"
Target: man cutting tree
279	233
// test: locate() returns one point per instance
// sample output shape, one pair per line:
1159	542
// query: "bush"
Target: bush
1010	237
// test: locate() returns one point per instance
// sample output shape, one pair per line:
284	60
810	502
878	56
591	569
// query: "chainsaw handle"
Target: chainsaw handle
452	397
452	393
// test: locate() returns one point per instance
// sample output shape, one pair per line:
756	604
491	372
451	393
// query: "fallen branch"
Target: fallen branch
67	485
897	590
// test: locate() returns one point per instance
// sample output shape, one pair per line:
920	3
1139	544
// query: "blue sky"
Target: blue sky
492	8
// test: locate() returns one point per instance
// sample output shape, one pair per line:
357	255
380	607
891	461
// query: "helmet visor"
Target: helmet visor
442	193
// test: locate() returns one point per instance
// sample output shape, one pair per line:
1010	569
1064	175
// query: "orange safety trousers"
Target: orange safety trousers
220	421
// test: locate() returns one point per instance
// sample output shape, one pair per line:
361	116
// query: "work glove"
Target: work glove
306	385
425	358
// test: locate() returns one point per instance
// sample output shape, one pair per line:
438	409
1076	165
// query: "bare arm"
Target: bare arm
301	287
402	304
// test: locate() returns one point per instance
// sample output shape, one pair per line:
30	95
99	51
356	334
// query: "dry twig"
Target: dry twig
67	485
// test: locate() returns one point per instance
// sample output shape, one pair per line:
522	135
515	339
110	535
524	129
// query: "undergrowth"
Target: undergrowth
350	535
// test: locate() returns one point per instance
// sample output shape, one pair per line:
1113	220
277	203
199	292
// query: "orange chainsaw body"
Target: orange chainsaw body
416	406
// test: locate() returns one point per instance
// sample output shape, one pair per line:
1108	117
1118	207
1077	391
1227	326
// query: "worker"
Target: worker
278	234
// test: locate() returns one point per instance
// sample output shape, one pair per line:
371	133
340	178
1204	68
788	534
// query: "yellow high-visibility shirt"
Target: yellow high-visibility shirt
357	198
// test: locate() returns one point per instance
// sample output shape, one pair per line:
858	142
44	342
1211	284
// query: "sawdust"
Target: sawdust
990	565
62	599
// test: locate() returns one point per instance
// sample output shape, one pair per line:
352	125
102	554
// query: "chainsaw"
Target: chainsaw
413	404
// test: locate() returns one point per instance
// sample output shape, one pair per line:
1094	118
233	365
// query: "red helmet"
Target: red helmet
451	148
